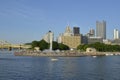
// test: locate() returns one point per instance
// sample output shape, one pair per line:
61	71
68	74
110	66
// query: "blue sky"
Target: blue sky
23	21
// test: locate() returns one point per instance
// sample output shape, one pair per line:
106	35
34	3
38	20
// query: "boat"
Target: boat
54	59
94	56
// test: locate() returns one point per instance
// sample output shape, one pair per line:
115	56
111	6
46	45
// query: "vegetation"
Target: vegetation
35	44
55	45
63	47
27	43
100	47
44	45
41	44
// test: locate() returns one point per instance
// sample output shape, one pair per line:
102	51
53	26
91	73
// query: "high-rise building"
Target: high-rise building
76	31
101	29
69	39
116	34
49	37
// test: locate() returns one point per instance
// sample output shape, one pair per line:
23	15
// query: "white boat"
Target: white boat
94	56
54	59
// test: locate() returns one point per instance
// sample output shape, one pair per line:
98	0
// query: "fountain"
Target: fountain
51	40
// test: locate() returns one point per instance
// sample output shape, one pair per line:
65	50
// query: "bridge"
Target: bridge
9	46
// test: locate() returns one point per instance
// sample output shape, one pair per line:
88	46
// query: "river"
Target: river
65	68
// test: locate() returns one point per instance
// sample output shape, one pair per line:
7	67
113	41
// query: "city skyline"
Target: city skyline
27	20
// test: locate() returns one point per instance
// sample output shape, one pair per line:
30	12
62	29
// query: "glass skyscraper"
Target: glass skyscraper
76	31
101	29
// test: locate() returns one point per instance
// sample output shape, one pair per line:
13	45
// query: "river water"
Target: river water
65	68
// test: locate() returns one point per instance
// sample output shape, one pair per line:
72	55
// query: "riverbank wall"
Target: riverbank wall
64	54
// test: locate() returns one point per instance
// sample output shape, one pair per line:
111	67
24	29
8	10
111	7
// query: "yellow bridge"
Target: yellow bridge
7	45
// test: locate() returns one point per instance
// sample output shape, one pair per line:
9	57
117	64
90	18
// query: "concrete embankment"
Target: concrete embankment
64	54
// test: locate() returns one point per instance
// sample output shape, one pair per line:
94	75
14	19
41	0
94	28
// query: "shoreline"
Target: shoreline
64	54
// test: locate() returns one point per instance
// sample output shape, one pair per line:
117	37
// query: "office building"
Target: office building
101	29
69	39
91	33
76	31
116	34
92	40
84	39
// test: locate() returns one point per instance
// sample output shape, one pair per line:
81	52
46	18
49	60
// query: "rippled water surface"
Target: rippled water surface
65	68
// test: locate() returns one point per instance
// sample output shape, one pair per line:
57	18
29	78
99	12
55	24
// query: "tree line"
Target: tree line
100	47
42	44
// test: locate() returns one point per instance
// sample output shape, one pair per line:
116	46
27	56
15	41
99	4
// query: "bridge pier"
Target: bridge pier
9	48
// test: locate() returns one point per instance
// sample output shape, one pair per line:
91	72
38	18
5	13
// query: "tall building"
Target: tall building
69	39
76	31
84	39
101	29
116	34
49	37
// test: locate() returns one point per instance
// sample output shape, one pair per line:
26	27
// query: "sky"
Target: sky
22	21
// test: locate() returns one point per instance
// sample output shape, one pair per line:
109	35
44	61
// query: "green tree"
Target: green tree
100	47
63	47
35	44
43	45
28	43
82	47
55	45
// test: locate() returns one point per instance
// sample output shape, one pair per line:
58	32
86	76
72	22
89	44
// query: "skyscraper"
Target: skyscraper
101	29
116	34
76	31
